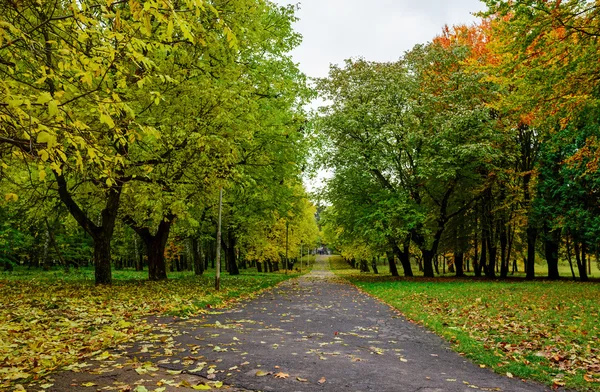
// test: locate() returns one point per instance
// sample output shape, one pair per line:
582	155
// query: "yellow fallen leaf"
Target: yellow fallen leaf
281	375
261	373
322	380
88	384
201	387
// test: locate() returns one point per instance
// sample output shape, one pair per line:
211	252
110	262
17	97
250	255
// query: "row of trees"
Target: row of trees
483	142
122	117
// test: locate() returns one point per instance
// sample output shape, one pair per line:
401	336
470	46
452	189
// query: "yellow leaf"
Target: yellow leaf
53	108
44	97
106	119
88	384
201	387
174	372
45	137
44	154
11	196
261	373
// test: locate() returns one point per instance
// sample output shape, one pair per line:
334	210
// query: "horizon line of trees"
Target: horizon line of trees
127	117
483	142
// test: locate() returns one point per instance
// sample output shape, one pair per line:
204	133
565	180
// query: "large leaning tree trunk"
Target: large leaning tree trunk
102	233
155	244
403	256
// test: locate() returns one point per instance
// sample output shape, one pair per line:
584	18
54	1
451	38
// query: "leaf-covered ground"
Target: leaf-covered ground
547	331
52	320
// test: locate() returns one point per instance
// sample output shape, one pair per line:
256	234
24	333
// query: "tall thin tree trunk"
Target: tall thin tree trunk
531	240
569	256
552	244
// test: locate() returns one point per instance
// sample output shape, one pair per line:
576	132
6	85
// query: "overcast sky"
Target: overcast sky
378	30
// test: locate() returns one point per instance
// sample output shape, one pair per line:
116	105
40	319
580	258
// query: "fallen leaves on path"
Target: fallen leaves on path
49	324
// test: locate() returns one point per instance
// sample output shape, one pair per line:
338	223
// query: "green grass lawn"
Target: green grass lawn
52	319
542	330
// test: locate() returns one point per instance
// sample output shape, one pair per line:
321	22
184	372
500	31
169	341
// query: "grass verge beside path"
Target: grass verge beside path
50	320
546	331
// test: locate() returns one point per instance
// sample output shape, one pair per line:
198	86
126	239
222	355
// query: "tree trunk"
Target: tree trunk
459	258
230	256
492	253
504	256
551	245
580	256
427	263
102	270
198	259
374	265
403	256
531	239
479	266
364	267
392	263
259	266
155	245
101	233
569	256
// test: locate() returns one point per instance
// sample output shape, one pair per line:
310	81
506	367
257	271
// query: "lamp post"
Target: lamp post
218	271
301	255
287	231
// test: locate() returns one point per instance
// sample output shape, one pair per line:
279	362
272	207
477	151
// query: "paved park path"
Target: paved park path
314	333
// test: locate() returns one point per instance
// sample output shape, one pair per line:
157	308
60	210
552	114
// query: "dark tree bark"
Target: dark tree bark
531	240
101	234
374	265
364	267
404	257
492	253
259	266
198	259
392	263
552	245
568	244
230	255
580	257
459	258
504	256
155	245
482	257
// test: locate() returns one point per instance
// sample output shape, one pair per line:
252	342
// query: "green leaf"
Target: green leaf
106	119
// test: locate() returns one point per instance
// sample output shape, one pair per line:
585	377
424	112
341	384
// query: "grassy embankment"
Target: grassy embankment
541	330
49	320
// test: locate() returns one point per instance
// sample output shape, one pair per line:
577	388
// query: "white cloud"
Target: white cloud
378	30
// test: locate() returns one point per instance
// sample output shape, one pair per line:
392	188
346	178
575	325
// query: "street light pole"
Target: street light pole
287	231
218	272
301	255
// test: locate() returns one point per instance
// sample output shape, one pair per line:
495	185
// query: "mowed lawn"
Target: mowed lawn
50	320
542	330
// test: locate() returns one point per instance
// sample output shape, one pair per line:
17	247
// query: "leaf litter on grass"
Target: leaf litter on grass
544	330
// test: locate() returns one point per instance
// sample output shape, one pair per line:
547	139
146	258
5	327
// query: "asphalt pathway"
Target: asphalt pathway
314	333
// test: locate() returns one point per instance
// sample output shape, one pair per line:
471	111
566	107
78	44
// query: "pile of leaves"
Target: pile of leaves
542	330
48	324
